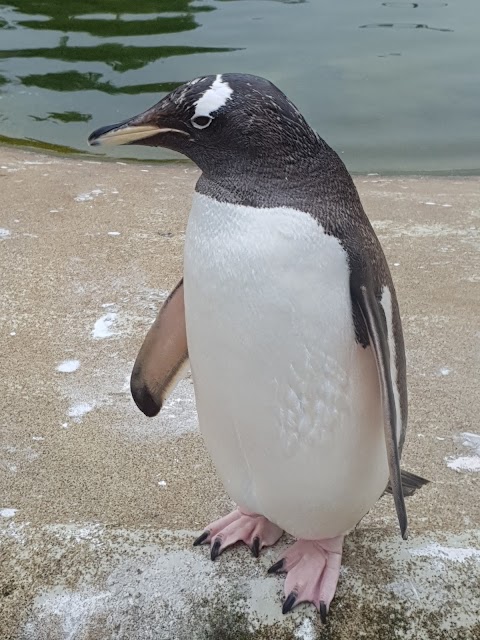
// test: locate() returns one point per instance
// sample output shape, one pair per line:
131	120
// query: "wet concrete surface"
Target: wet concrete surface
99	505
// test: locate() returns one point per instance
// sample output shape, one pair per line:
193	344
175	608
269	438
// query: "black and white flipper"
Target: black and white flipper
377	315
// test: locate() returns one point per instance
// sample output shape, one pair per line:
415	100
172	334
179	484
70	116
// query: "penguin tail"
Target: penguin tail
410	483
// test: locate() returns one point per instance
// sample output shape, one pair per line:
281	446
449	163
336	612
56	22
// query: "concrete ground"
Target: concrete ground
99	505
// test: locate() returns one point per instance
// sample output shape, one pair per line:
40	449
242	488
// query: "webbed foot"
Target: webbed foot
313	569
239	526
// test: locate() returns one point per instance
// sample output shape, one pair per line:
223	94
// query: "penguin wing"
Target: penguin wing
163	357
371	309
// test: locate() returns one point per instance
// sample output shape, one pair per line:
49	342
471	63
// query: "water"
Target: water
392	86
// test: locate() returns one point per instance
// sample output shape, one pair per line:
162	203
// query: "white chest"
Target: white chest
273	258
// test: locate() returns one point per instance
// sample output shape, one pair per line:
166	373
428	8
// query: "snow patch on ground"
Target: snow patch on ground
306	631
77	411
103	326
466	463
91	195
470	440
443	553
73	610
470	464
68	366
89	532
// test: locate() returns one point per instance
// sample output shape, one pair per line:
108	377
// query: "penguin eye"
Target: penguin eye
201	122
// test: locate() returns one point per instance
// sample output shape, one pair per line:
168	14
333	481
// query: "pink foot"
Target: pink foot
313	569
252	529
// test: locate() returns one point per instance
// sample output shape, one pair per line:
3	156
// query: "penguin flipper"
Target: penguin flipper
375	321
163	357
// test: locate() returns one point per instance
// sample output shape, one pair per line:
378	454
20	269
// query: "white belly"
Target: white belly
288	403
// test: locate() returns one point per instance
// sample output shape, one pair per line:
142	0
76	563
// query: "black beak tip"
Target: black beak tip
93	138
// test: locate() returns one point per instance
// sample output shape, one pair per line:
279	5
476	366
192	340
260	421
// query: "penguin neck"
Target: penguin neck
282	178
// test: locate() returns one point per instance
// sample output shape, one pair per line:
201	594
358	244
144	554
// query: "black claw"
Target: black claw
215	552
201	538
256	547
323	612
278	566
289	602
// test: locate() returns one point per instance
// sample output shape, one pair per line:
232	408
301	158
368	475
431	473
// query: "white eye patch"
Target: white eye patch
213	99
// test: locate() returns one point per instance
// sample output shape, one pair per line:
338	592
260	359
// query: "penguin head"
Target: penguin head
226	118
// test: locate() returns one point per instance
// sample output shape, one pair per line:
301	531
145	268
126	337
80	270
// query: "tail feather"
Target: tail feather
410	483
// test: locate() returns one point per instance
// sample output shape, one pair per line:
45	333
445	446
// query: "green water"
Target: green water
392	86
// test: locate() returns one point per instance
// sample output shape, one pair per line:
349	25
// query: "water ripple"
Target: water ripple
414	5
403	25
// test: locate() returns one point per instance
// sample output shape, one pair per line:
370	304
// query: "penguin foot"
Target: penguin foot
313	569
239	526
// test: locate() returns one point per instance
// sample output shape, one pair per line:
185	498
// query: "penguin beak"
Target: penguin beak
131	131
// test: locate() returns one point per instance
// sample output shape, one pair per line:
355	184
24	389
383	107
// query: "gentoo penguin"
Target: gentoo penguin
288	317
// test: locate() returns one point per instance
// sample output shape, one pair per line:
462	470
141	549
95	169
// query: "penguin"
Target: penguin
288	318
